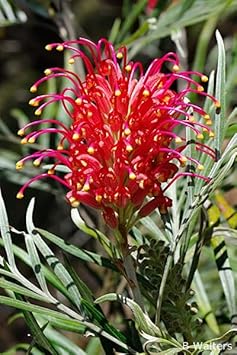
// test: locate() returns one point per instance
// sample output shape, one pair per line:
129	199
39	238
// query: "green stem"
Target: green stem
132	279
162	287
129	266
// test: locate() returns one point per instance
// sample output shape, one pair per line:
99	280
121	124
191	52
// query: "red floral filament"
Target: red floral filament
117	149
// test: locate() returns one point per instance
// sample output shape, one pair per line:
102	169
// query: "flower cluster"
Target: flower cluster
121	145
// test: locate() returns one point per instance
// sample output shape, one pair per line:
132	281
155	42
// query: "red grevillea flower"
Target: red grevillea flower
151	4
120	147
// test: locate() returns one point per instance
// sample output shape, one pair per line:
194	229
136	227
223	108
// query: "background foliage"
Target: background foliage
184	26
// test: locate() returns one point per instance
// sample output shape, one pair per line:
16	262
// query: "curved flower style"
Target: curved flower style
121	146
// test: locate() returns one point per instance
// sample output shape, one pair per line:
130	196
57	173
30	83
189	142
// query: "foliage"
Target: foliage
175	285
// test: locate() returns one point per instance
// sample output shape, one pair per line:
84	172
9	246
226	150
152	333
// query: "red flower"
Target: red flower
121	144
151	4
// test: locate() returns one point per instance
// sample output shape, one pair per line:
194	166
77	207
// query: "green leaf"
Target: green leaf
204	304
22	255
25	306
5	233
94	347
153	228
12	286
171	19
81	254
10	15
39	337
225	272
59	340
69	325
19	347
80	223
129	20
220	118
114	30
98	316
35	262
143	322
52	260
84	290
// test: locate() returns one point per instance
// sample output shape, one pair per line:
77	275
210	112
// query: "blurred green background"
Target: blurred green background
26	26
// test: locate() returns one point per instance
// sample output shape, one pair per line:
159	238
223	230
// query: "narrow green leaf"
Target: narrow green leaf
51	259
59	340
97	316
94	347
80	223
5	233
25	306
225	272
21	347
39	337
220	118
35	262
153	228
143	322
12	286
129	20
22	255
81	254
84	290
114	30
69	325
204	304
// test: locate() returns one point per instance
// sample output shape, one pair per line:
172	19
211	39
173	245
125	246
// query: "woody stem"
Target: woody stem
129	267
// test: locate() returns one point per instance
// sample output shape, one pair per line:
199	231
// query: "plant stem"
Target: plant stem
132	279
162	287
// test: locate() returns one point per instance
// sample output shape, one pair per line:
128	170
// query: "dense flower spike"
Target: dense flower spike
120	147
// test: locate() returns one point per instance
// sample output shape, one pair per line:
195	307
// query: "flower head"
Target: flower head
121	144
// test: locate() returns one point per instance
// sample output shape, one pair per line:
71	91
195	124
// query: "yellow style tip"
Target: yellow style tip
74	202
119	55
128	68
31	140
91	150
178	140
24	141
33	102
21	132
127	131
132	176
175	68
47	72
71	60
200	88
200	167
204	78
48	47
129	148
38	112
98	198
33	88
146	93
75	136
200	136
20	195
117	92
60	48
19	165
37	162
